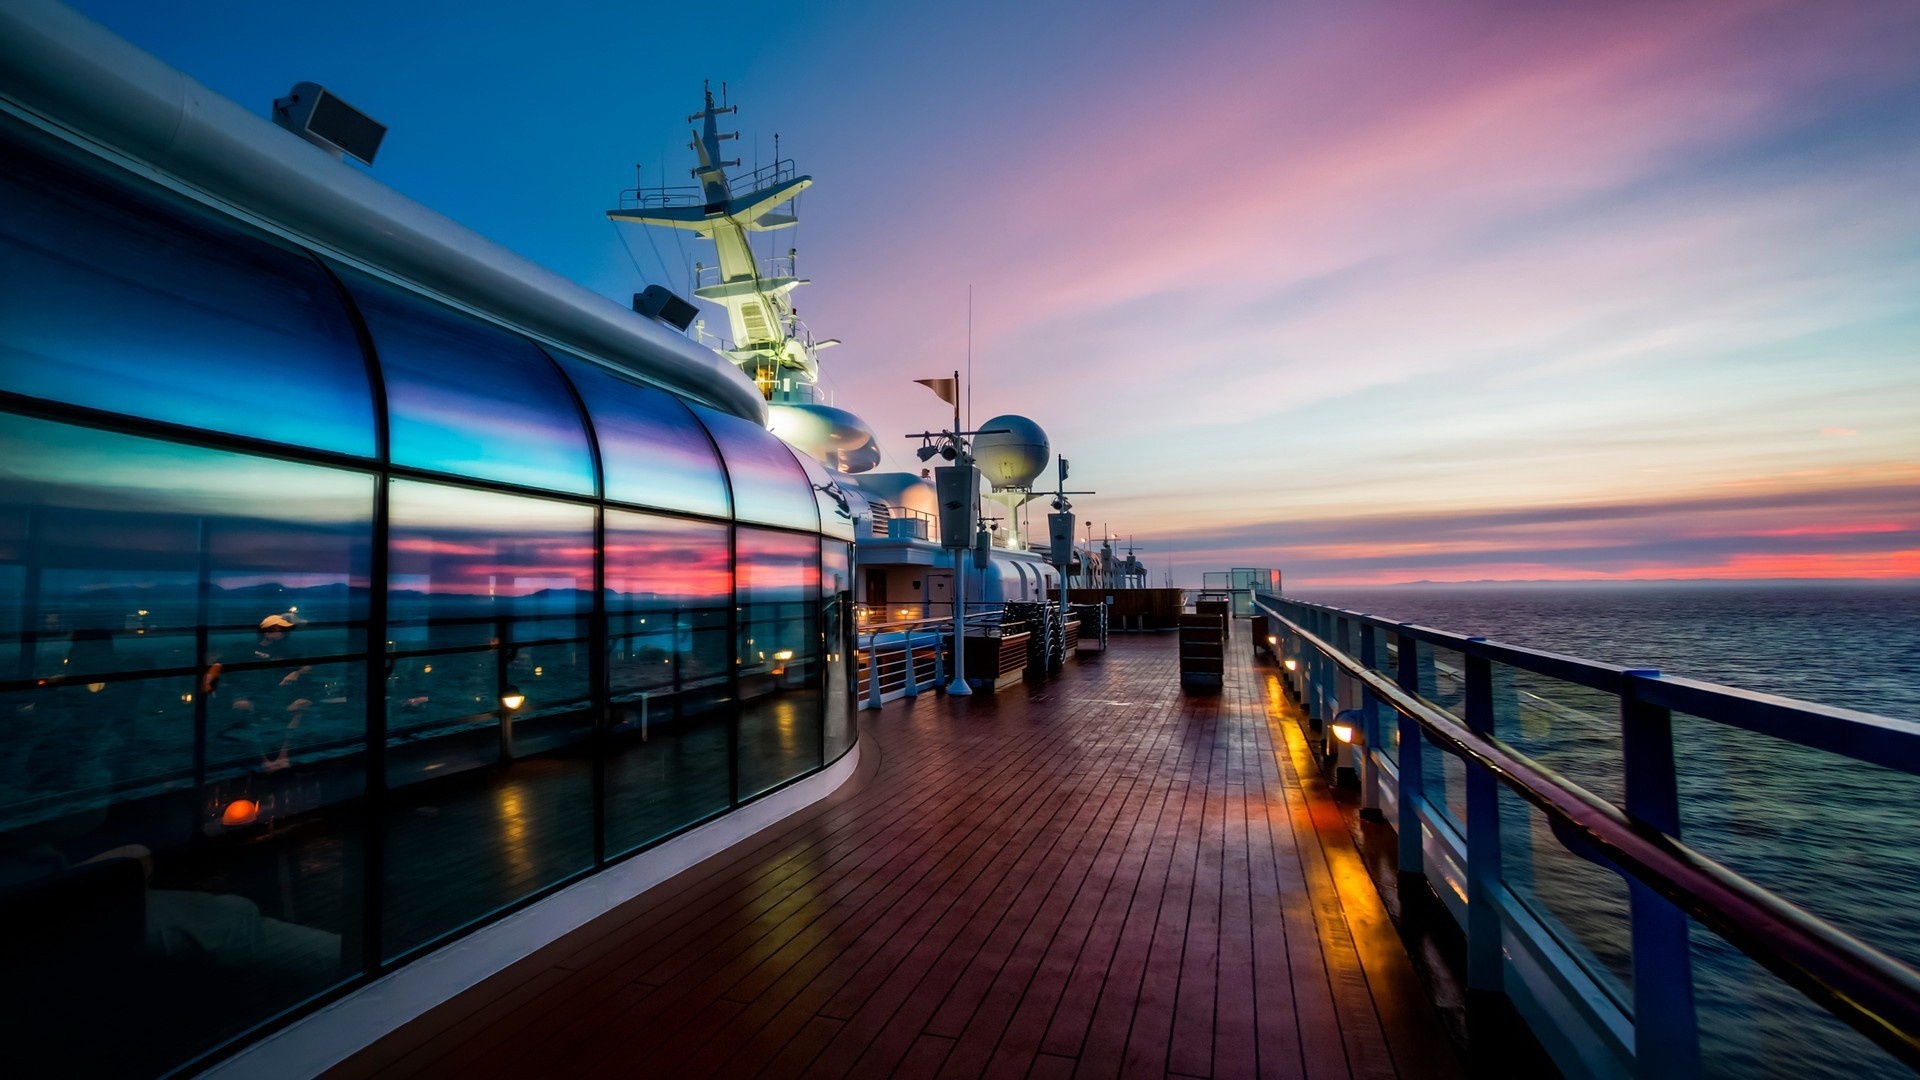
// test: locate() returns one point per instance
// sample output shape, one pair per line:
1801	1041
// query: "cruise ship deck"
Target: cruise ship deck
1095	875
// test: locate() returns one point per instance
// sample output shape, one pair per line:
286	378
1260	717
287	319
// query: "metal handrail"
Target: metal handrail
1869	990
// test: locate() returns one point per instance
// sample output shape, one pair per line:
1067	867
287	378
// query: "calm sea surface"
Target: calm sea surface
1839	838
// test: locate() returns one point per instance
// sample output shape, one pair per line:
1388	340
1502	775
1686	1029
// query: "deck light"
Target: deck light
1343	732
783	654
1271	640
1293	665
240	812
512	698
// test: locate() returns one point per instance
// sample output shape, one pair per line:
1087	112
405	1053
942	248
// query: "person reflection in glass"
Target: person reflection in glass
276	695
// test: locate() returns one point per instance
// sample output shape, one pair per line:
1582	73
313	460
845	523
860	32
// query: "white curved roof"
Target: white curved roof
68	71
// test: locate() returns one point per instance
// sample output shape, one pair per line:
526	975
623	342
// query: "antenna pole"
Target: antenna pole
958	687
969	358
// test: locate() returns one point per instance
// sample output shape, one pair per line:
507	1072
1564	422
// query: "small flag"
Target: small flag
948	389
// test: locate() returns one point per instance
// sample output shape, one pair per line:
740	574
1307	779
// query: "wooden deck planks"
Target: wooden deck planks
1093	876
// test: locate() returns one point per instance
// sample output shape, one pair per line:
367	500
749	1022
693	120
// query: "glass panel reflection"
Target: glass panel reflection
836	516
669	586
137	303
769	487
488	704
652	450
469	398
836	636
777	656
183	658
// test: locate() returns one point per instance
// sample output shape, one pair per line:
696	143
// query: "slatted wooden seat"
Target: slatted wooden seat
1096	875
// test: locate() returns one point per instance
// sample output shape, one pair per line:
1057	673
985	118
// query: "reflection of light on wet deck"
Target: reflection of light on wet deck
513	828
784	717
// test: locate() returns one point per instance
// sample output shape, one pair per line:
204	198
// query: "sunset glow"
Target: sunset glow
1369	293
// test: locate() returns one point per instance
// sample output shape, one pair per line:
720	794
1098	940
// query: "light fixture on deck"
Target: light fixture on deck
511	698
1343	732
1292	664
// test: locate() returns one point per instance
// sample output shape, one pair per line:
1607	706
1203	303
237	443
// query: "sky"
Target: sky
1366	291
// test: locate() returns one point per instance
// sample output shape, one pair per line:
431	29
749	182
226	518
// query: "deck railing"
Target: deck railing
1531	863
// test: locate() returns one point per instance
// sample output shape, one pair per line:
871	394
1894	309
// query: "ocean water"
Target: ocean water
1838	838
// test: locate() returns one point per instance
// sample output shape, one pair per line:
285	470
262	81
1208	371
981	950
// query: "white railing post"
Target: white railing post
913	684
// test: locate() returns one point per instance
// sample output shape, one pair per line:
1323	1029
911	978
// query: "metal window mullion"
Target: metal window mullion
374	782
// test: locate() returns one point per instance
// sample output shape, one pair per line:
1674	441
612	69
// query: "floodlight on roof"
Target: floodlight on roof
319	116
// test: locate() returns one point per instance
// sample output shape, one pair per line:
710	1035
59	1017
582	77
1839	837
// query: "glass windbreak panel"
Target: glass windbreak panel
183	665
669	591
1835	836
469	398
1442	682
836	638
1571	729
777	656
769	487
652	451
1389	666
117	296
488	704
1753	1024
1578	900
836	512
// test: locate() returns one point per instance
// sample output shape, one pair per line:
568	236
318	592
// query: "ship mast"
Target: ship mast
770	343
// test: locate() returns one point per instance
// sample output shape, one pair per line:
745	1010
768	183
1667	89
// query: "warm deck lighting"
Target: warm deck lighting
240	812
512	698
1343	732
1271	640
1293	665
783	654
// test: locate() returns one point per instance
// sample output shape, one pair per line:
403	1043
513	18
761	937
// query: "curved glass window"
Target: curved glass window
652	451
777	578
138	303
469	398
837	639
182	678
769	487
669	592
488	704
836	512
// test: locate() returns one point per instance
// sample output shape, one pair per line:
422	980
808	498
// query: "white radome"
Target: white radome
1013	458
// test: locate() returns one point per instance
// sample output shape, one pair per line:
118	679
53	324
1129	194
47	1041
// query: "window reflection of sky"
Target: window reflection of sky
652	450
468	398
117	300
665	562
776	567
768	486
456	541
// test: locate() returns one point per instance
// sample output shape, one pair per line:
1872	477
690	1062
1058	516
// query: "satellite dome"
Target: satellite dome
1015	456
